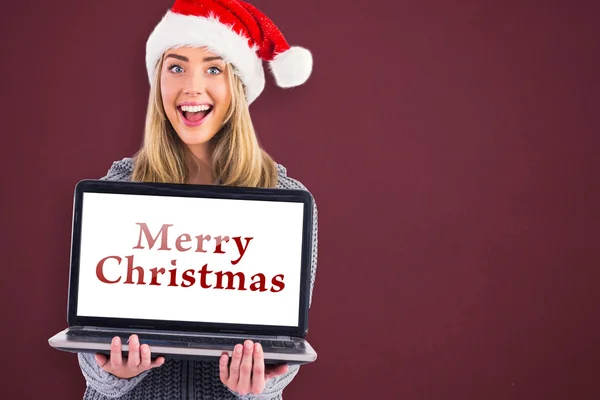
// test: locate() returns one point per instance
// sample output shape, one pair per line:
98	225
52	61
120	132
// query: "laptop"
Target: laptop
192	270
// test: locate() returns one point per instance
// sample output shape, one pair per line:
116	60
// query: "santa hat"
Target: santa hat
236	31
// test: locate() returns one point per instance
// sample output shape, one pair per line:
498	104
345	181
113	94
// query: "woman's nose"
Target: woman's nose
195	84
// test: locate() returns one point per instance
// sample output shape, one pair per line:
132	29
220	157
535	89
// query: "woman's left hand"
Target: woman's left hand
247	372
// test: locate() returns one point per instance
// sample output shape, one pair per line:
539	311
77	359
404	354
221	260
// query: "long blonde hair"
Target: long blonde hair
238	159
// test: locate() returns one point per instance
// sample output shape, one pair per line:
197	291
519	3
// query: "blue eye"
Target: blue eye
179	69
218	71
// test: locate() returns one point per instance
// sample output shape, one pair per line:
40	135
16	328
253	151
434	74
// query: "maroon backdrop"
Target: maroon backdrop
452	148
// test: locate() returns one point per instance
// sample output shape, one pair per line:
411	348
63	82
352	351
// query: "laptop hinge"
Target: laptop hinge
284	338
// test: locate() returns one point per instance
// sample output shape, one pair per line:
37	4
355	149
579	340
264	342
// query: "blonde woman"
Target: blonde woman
204	62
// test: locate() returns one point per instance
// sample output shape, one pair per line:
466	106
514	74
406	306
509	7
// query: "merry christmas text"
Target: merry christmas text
114	269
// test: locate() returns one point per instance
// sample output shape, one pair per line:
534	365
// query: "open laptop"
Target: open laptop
193	270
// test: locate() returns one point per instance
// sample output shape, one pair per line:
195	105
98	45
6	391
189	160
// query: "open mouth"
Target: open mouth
194	115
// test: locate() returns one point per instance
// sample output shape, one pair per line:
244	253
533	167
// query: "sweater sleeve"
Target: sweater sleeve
104	382
275	386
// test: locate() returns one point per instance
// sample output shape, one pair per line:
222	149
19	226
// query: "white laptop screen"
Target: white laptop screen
190	259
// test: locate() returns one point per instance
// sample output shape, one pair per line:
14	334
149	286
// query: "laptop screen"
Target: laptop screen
190	259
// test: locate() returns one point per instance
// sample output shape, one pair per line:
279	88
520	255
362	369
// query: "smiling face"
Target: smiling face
196	95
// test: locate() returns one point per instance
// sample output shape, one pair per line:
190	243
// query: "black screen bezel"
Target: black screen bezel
202	191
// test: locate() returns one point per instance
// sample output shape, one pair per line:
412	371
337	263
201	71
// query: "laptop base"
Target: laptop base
183	349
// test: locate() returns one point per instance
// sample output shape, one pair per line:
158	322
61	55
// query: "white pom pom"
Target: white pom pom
292	67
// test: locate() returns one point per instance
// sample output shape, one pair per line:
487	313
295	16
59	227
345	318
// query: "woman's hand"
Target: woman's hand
137	361
247	372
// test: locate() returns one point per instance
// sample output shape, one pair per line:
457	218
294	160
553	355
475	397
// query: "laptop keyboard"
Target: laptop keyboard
174	339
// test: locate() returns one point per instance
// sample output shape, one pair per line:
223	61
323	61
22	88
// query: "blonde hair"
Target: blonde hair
238	159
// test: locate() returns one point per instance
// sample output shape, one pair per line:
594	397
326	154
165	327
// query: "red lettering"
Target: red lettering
155	272
173	277
201	239
224	279
203	272
188	277
242	250
130	269
231	276
260	285
278	283
173	273
180	239
100	272
151	241
220	239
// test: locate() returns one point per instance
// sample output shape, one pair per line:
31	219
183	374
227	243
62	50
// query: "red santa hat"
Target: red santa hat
236	31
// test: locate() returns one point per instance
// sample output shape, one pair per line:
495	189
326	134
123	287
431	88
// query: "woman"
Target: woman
204	62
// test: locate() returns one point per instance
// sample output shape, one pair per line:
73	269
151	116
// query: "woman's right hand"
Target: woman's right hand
138	360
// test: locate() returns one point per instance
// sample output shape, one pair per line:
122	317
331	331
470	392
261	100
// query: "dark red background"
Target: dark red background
452	148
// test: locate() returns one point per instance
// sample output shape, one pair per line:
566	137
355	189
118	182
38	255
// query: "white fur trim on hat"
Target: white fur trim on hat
176	30
292	67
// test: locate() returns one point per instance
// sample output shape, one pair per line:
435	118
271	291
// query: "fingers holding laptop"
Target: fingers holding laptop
138	360
247	372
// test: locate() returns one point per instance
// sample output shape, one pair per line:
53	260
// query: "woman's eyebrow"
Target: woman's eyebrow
182	58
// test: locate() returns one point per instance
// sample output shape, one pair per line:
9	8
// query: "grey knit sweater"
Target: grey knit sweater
182	379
